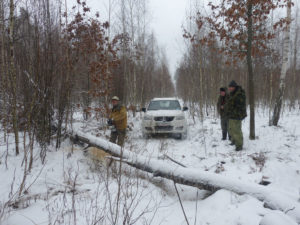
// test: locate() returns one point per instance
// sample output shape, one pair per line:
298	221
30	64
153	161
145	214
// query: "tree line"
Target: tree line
57	59
248	41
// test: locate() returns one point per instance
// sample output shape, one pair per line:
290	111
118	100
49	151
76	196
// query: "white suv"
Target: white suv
164	116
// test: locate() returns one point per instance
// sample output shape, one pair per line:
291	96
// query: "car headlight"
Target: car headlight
179	117
147	117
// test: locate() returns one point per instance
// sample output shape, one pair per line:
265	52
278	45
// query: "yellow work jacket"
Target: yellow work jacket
119	116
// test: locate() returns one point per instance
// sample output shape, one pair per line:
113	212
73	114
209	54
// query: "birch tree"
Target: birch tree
284	68
295	54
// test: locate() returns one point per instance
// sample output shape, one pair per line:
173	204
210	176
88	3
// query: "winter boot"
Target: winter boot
238	148
224	135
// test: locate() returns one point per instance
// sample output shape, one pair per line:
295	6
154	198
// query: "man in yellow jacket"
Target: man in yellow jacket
118	119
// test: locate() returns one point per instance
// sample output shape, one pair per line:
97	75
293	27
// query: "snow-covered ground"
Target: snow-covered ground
72	188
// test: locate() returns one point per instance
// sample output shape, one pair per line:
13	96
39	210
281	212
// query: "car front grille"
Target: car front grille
164	118
163	128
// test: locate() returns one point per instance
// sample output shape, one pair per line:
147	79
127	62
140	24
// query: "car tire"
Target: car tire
184	135
146	136
178	136
181	136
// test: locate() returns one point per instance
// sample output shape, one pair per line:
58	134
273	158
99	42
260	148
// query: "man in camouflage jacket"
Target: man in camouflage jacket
236	112
222	100
118	119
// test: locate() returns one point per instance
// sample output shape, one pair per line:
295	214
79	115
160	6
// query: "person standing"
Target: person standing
117	119
222	100
236	112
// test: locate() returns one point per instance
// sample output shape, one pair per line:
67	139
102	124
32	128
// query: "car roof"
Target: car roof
163	99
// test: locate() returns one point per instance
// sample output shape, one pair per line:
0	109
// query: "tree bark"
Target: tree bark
12	72
201	105
284	67
3	71
250	71
295	59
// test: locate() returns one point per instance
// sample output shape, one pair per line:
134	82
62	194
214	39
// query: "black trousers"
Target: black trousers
224	126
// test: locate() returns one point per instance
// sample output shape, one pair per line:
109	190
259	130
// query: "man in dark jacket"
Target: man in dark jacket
223	98
236	112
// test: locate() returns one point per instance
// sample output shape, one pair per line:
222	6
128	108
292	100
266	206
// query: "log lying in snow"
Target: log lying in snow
273	198
276	218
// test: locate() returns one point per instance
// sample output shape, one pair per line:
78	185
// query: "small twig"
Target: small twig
181	204
173	160
11	195
33	83
115	158
38	175
86	147
289	210
196	208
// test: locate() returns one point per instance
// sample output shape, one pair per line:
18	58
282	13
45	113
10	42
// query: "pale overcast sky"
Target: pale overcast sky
166	19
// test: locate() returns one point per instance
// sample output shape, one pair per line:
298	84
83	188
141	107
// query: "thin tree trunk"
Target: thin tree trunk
66	92
272	72
250	72
134	91
13	76
279	99
3	70
22	185
30	128
294	94
124	60
201	84
133	56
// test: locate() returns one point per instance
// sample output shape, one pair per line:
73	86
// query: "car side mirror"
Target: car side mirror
185	108
144	109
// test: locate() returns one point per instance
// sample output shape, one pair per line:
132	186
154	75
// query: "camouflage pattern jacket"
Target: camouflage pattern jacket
119	116
221	102
236	105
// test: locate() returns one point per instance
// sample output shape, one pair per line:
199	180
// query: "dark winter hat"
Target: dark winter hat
222	89
232	84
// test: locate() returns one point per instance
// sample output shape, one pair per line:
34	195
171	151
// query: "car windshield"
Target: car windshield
164	105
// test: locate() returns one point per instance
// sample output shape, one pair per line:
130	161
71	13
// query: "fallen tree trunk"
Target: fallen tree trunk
272	198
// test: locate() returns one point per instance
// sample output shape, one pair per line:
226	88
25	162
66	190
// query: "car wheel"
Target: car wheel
181	136
184	135
177	136
146	136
